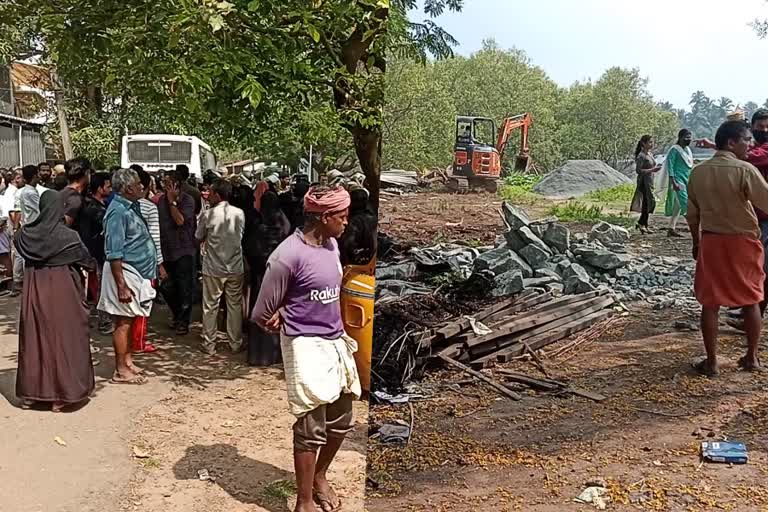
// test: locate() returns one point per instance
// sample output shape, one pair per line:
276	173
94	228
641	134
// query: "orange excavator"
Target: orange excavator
476	162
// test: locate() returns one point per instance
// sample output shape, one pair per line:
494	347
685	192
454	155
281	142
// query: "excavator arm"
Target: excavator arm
523	121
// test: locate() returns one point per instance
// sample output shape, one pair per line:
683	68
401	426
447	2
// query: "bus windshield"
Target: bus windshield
160	151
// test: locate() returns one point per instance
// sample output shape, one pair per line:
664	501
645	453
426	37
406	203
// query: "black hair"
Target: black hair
42	164
223	188
29	172
183	172
300	189
682	133
270	205
729	131
144	177
759	115
98	180
642	142
136	167
60	182
77	169
358	201
114	168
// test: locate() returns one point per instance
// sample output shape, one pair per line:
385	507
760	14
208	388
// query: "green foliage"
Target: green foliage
99	144
279	490
601	120
621	193
517	188
577	211
605	119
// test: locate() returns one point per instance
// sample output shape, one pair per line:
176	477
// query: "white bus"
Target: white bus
160	151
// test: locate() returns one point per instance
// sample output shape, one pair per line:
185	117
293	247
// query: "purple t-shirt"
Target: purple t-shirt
304	282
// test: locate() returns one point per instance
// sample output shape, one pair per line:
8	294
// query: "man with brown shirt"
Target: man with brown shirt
726	240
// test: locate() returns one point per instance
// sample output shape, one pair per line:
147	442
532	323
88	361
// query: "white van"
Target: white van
162	151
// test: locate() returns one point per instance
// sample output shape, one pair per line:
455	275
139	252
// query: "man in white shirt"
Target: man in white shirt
220	232
28	200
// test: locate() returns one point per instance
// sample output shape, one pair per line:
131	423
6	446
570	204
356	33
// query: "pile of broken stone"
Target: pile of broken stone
544	254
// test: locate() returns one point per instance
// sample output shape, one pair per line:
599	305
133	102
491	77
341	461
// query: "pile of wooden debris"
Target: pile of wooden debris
519	327
523	324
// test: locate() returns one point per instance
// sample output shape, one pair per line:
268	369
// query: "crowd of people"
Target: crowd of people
274	254
724	200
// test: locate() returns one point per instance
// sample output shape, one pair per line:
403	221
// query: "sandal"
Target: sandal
325	503
137	379
749	367
27	404
58	406
703	369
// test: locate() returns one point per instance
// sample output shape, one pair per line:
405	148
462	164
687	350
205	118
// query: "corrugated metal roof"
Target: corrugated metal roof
20	120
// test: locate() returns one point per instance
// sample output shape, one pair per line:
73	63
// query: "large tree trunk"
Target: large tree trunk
368	149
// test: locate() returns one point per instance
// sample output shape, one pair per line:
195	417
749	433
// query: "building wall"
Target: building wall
31	144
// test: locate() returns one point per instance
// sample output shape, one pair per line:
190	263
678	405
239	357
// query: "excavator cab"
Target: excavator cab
479	148
476	162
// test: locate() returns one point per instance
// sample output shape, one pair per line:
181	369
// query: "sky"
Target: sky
681	46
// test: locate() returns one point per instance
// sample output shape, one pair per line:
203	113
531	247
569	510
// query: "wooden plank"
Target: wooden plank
456	327
538	317
498	387
549	385
483	356
501	319
517	308
531	382
547	338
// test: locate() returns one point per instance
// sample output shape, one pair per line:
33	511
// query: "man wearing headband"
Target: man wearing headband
299	297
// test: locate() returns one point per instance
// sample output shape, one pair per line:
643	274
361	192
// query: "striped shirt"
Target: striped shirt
152	218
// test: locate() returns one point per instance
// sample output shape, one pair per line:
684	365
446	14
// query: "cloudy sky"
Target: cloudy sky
680	45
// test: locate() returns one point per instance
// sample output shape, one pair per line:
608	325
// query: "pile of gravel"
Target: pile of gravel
579	177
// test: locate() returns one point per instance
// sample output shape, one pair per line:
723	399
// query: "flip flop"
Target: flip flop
702	369
749	368
326	505
137	379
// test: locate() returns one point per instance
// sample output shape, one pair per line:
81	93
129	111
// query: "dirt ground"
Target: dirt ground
474	450
197	412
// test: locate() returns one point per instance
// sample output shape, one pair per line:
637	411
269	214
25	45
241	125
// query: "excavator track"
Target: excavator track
458	185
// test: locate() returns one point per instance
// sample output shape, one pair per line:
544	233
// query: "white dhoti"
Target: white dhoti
318	371
143	293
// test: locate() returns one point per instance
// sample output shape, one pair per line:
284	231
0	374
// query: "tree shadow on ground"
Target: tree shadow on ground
177	360
245	479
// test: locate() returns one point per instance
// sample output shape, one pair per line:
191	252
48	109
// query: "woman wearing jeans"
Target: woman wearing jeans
645	166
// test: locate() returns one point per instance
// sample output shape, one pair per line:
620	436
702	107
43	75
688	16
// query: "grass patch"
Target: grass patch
621	193
517	188
150	463
576	211
279	490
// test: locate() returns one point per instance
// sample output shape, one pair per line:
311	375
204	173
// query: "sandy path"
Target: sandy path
195	411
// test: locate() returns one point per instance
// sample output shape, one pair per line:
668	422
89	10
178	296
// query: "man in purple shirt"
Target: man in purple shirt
300	297
176	210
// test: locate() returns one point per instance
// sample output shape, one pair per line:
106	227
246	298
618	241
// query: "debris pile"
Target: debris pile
579	177
517	326
399	179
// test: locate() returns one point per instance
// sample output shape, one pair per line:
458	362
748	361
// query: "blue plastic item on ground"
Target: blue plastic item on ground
728	452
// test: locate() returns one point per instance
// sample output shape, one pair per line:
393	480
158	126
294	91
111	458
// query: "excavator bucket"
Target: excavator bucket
522	162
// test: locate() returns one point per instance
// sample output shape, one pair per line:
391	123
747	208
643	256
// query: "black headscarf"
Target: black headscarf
47	241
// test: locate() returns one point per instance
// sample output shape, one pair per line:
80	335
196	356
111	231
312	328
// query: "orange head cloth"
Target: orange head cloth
319	201
261	188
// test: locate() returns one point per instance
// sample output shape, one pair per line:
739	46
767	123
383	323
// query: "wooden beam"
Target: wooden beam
498	387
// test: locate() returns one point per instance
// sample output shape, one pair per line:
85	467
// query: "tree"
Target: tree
604	120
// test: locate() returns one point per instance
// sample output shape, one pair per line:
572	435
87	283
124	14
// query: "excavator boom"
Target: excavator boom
522	121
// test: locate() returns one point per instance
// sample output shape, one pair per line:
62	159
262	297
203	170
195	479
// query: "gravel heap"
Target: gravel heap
579	177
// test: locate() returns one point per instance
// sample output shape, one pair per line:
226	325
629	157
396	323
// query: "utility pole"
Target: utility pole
66	141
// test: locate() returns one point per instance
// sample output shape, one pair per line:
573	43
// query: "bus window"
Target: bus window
159	151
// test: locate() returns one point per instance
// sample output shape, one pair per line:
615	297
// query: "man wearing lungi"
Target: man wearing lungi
726	240
131	264
299	296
